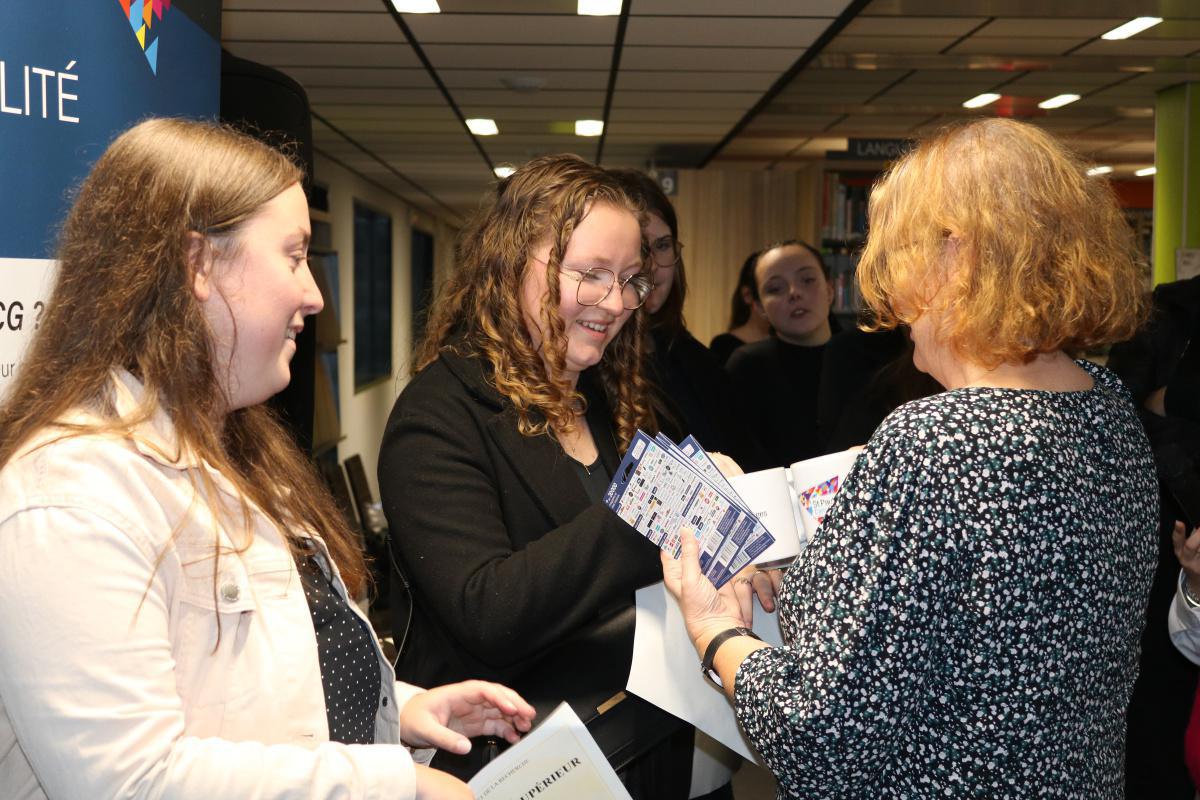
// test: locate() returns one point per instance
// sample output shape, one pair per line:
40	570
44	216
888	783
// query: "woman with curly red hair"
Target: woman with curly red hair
528	387
967	622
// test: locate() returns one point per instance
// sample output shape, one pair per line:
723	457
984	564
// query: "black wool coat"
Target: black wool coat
516	575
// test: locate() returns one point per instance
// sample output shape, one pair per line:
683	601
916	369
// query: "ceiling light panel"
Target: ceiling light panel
417	6
981	100
482	127
1131	28
1058	101
589	127
598	8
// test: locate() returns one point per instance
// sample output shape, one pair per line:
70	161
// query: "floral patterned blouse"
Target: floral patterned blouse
966	622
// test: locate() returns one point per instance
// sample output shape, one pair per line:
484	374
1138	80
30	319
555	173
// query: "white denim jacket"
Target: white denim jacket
113	679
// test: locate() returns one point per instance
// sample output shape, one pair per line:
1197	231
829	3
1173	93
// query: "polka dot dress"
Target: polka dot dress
966	623
349	665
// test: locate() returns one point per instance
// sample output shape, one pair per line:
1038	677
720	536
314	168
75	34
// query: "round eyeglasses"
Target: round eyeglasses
666	251
595	284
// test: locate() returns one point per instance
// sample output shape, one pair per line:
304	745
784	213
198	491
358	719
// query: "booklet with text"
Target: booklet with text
792	501
557	760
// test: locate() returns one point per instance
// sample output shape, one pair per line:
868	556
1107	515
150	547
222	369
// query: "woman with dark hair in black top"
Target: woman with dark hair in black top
746	325
780	376
694	395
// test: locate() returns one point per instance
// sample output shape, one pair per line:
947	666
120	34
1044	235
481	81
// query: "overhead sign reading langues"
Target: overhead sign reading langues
871	150
73	76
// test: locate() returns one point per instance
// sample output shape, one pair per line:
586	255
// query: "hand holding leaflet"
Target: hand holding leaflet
558	760
658	489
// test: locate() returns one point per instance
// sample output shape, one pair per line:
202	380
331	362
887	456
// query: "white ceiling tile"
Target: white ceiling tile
511	29
823	144
913	26
894	123
552	79
309	26
667	130
404	97
957	77
518	57
341	112
1175	28
367	77
748	8
700	115
1061	80
736	100
827	76
1016	45
695	81
546	114
1158	80
796	33
392	128
298	5
1020	27
772	124
763	147
801	95
756	59
468	98
889	44
283	54
1138	46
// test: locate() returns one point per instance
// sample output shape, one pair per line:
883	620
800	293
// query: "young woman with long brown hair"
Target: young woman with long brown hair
176	582
528	387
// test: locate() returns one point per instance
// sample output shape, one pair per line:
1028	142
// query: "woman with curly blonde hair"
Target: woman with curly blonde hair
529	386
967	623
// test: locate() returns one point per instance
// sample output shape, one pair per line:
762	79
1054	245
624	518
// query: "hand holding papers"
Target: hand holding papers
666	671
764	518
660	487
558	760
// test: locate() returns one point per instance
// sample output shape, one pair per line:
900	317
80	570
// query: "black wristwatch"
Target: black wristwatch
710	652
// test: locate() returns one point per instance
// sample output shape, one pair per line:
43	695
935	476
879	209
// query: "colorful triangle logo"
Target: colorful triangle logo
142	15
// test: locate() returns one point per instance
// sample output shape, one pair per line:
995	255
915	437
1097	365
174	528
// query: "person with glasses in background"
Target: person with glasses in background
529	385
693	393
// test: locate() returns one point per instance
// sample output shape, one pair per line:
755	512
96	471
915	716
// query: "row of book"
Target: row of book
843	208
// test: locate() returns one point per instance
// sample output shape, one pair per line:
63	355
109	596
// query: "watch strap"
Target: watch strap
710	652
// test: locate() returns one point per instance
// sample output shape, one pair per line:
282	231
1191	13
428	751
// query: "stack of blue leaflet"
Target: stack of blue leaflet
662	488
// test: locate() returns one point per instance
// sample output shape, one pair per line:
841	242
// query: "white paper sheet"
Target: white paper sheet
666	669
557	760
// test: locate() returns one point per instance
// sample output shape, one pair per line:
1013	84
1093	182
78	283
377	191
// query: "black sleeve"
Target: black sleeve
502	604
723	345
1145	362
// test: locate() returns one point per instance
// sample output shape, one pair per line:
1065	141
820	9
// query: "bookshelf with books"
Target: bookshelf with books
843	228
